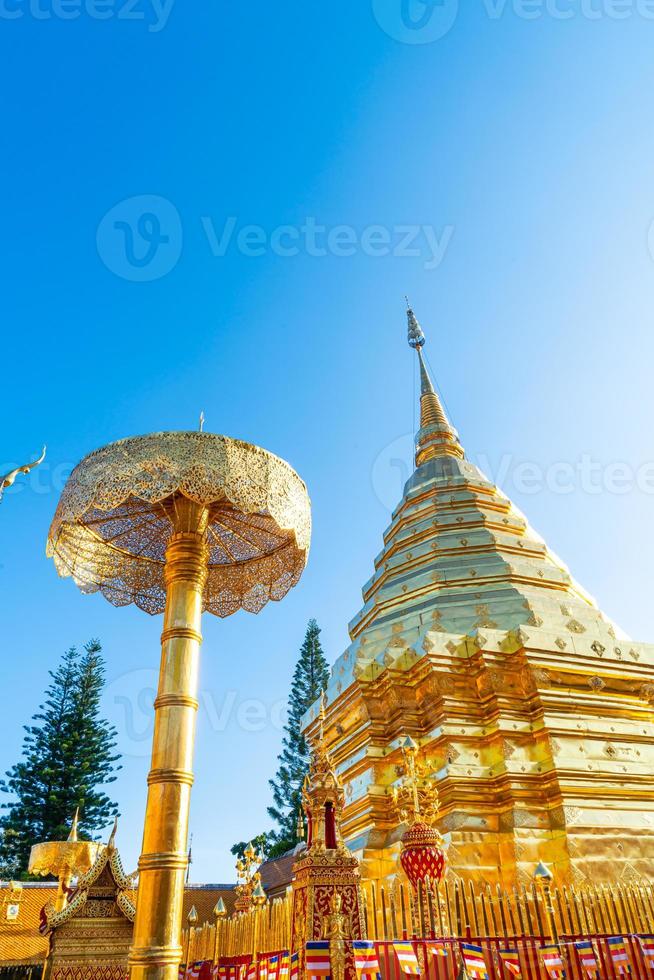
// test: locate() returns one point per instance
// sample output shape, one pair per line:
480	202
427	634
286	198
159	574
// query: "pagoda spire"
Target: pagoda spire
437	437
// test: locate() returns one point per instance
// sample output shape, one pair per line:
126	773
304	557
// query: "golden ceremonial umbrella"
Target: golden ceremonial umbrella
67	859
178	522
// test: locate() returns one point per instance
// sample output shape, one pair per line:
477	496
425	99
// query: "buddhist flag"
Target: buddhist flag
475	964
407	959
438	949
587	956
318	963
295	966
647	946
252	972
283	966
273	968
366	962
511	961
619	955
552	962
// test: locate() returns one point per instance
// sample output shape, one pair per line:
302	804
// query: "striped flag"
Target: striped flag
407	959
263	969
284	966
438	949
511	961
586	952
273	968
366	962
647	946
552	962
318	963
295	966
252	971
194	972
475	964
619	955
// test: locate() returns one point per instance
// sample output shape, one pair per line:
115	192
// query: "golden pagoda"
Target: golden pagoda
532	712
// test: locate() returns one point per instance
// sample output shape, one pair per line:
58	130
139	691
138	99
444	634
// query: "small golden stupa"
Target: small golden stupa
532	710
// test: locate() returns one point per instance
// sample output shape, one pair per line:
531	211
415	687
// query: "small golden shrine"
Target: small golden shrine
532	711
90	937
327	902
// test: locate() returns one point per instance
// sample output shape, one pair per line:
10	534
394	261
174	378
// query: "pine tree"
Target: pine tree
67	756
309	681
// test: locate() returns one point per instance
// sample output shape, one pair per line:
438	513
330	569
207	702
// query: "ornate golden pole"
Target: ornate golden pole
177	522
156	949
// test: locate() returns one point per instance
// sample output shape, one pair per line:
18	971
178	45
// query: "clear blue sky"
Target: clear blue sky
522	144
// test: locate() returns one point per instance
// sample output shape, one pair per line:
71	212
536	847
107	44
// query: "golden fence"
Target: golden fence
456	910
453	910
264	930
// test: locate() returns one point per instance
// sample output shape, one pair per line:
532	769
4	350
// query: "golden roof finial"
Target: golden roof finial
73	829
437	437
112	839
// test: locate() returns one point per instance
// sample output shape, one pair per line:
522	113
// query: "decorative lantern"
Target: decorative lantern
416	800
422	854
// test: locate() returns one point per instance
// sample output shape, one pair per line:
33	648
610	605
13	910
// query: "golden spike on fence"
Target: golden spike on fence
422	918
370	931
610	924
383	910
448	911
393	904
640	905
519	911
406	920
505	927
457	908
441	928
634	925
373	906
483	901
648	897
528	912
512	907
492	925
564	911
431	897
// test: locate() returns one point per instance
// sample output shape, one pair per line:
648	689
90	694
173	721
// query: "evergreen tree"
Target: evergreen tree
67	755
309	681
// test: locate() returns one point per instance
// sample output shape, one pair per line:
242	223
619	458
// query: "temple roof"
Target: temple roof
22	943
458	556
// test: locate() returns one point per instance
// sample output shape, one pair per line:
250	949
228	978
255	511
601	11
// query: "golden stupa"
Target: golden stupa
533	712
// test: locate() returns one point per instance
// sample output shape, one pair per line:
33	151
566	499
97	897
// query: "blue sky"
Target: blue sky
167	170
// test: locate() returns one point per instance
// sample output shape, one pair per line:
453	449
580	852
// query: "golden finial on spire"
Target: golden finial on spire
112	839
322	714
72	837
437	437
